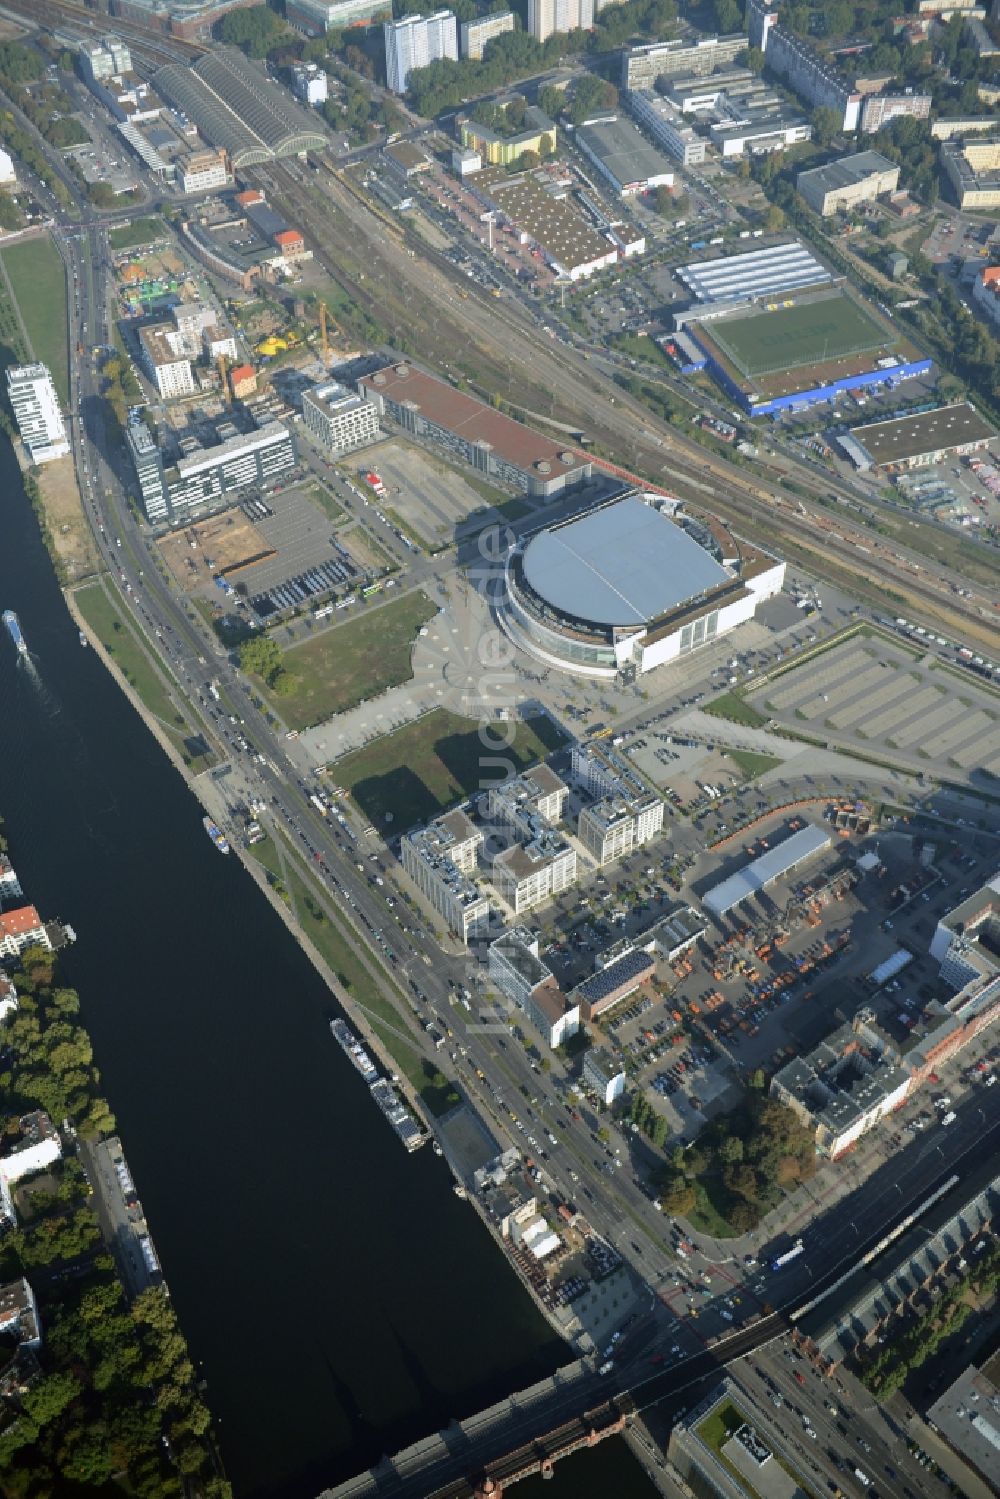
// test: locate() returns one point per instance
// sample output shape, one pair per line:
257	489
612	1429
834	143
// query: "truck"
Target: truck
213	691
320	806
793	1253
949	1118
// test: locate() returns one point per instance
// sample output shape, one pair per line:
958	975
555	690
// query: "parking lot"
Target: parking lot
428	496
872	693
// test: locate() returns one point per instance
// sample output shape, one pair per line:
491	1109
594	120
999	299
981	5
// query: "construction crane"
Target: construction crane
222	379
324	342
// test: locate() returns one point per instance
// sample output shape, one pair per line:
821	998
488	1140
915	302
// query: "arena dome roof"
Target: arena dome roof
624	564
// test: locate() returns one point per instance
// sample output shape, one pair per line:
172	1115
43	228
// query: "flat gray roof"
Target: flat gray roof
765	870
623	564
906	437
626	154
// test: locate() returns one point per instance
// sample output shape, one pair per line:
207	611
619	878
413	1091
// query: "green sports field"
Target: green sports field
807	333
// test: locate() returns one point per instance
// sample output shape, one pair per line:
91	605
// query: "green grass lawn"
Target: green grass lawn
807	333
411	775
113	630
730	705
352	662
751	764
39	281
139	232
331	508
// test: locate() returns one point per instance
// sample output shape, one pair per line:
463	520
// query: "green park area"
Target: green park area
410	776
351	662
112	629
38	280
138	232
730	705
752	765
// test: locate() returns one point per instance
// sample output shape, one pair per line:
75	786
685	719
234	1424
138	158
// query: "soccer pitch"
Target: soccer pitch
808	333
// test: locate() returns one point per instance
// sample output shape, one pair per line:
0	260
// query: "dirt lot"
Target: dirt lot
230	540
64	512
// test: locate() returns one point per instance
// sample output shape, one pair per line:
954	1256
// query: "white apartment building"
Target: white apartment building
36	411
20	929
616	825
8	176
202	171
519	802
415	41
340	420
664	122
108	58
603	1075
439	860
475	34
217	343
169	370
548	16
527	874
38	1146
19	1316
310	83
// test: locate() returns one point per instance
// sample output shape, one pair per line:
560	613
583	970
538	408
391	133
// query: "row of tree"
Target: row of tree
653	1125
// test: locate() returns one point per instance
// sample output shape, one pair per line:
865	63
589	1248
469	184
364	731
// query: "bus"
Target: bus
366	593
790	1254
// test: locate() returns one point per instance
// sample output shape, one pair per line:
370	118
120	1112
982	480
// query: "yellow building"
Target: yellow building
539	135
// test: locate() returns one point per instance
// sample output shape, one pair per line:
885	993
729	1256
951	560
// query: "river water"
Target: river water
341	1299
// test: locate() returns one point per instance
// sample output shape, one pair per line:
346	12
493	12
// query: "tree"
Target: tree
755	60
774	219
255	30
826	125
526	162
728	17
678	1198
260	654
50	1396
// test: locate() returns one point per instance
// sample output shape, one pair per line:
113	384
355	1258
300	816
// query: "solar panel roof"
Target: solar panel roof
624	564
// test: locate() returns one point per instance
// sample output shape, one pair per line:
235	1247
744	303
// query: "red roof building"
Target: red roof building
20	929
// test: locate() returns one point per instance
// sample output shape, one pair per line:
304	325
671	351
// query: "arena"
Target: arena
630	585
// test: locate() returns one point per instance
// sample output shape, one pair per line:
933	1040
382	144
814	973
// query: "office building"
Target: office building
440	860
842	184
249	460
967	1417
202	171
602	770
528	874
603	1075
339	419
880	110
520	974
972	171
108	58
642	66
475	34
148	465
947	127
468	429
720	1453
416	41
317	17
32	396
667	125
169	370
548	16
309	83
616	826
845	1086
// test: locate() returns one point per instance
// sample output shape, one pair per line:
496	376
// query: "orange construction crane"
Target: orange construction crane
323	340
222	378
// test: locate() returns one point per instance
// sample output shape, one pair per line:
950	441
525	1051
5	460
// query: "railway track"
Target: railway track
772	516
51	15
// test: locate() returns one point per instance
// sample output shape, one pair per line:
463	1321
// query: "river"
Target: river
341	1300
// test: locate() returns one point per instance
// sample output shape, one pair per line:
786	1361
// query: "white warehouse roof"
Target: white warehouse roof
765	870
774	270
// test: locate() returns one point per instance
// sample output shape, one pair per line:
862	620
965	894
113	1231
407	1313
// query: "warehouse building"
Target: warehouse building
544	214
340	420
972	171
612	983
625	588
642	66
623	158
236	109
802	845
841	185
494	444
772	272
930	437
